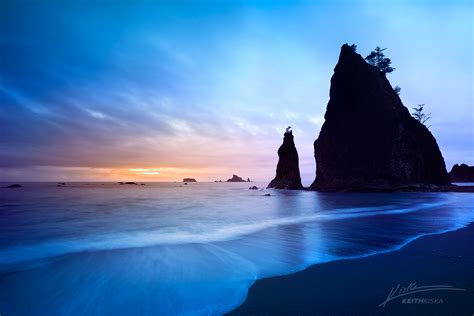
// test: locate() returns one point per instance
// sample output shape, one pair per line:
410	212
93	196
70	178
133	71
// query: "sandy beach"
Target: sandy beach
362	286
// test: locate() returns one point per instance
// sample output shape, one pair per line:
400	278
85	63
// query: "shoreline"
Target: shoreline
358	286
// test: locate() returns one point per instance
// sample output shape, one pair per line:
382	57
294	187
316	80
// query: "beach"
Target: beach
197	249
361	286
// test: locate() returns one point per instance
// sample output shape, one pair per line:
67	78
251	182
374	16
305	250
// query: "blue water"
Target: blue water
168	248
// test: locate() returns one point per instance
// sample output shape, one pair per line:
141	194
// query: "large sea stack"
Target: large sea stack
369	141
288	171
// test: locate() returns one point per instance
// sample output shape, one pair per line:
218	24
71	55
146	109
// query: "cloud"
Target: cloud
152	87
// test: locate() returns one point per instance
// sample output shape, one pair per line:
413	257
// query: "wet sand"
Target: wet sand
360	286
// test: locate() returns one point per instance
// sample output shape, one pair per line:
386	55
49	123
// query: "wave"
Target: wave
137	239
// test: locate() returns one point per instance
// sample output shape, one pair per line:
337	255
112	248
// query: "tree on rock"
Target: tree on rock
377	58
397	90
420	115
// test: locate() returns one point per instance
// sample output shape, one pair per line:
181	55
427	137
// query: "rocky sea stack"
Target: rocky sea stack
236	178
462	173
288	171
189	180
369	141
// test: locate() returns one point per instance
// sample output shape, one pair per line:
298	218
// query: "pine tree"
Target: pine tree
419	115
377	58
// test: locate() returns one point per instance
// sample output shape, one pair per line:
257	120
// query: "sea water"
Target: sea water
171	249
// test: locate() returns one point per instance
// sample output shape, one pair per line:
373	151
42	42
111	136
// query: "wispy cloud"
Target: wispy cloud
209	92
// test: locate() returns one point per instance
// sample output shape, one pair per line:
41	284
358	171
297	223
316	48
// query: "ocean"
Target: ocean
174	249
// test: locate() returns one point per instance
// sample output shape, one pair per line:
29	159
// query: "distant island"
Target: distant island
13	186
189	180
236	178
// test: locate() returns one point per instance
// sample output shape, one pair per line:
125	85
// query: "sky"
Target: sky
162	90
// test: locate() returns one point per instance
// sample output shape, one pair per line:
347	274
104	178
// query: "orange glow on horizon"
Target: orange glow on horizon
153	173
150	174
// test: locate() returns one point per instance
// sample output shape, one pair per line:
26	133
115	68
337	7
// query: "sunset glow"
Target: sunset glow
157	92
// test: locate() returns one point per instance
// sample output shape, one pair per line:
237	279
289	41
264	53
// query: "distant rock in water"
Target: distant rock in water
369	141
189	180
462	173
13	186
253	187
287	171
236	178
131	183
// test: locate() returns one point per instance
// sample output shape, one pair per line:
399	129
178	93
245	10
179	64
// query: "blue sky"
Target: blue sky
162	90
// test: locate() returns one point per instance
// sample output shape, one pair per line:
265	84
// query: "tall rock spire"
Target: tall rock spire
369	141
288	171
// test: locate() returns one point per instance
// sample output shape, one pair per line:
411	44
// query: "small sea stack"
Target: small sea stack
369	140
14	186
462	173
235	178
189	180
287	171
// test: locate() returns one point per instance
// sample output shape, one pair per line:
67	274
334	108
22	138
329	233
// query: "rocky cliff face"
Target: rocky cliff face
369	141
288	171
462	173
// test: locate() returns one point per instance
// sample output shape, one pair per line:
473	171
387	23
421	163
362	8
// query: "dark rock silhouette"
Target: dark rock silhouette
236	178
369	141
462	173
287	171
13	186
253	187
130	183
189	180
248	179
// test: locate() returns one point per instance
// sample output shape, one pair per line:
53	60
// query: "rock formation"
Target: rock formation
287	171
462	173
236	178
14	186
369	141
189	180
